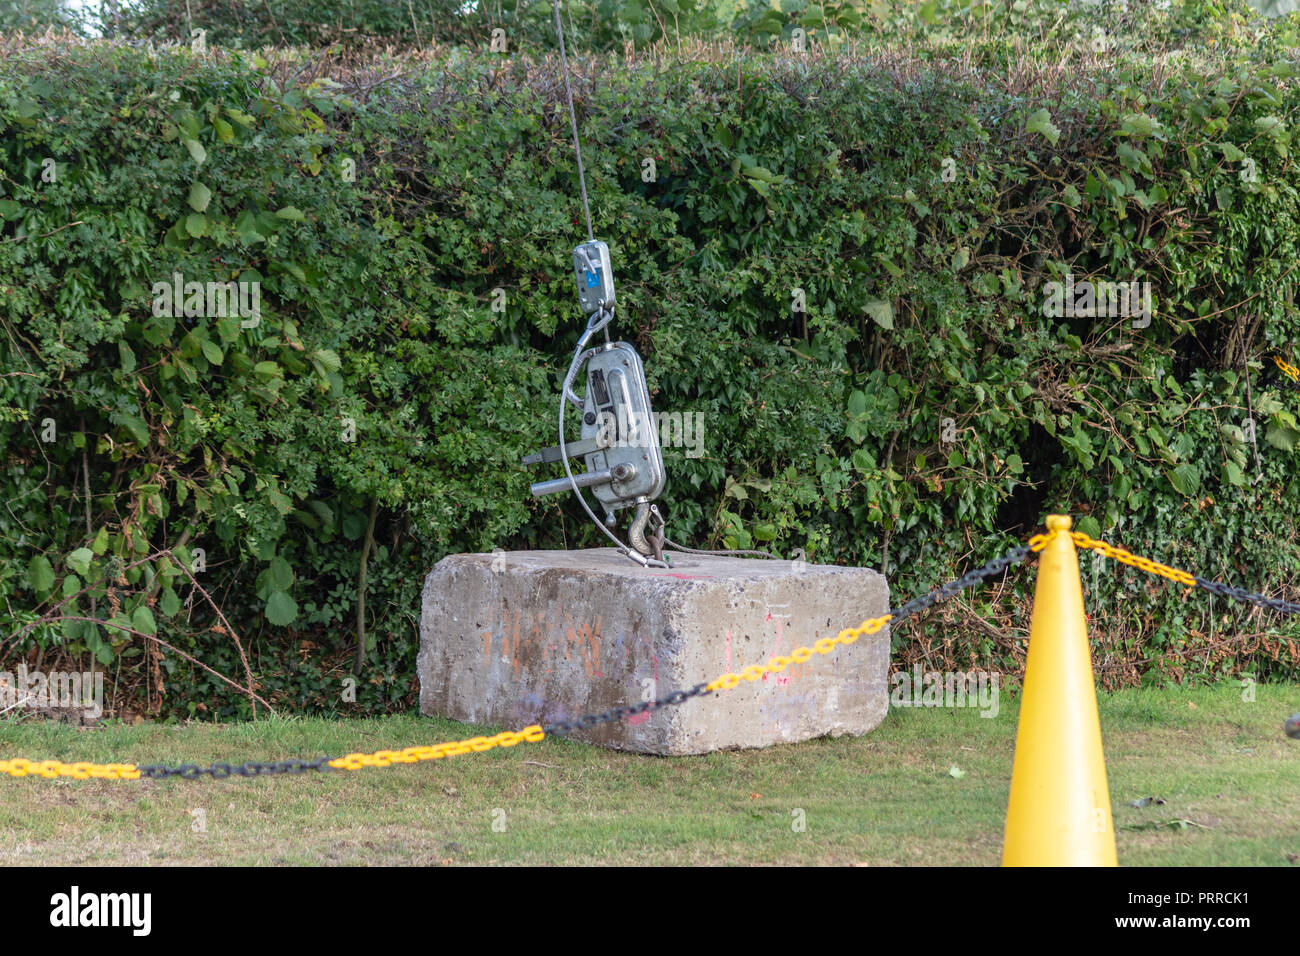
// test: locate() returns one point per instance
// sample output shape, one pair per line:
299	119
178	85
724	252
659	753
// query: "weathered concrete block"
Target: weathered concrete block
515	638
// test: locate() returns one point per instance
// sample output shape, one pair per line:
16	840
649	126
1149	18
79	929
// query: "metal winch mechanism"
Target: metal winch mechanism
618	441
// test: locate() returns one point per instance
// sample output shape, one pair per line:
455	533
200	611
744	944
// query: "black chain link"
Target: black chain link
996	566
587	721
1241	594
915	606
220	771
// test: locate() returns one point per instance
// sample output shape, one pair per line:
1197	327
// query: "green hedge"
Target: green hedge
528	25
380	405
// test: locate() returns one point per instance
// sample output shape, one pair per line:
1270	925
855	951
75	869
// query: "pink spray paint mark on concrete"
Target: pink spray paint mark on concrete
781	679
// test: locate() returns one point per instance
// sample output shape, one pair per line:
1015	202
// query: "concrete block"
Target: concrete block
515	638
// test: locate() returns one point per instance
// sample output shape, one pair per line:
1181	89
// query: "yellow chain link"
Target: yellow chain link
386	758
1291	371
1124	556
800	654
49	769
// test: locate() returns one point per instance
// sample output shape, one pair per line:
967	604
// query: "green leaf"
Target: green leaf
290	212
239	116
281	609
246	228
1231	153
763	174
1138	125
228	328
40	574
142	620
1280	436
80	559
196	224
329	359
212	352
881	312
281	574
72	630
200	196
354	524
889	265
169	602
102	650
1269	126
197	152
100	544
134	424
1040	121
1185	480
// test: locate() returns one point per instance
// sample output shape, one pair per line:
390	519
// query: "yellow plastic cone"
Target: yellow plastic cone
1059	810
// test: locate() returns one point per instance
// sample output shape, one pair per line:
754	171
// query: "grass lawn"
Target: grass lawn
887	798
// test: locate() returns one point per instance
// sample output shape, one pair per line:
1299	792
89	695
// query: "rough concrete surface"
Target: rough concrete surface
514	638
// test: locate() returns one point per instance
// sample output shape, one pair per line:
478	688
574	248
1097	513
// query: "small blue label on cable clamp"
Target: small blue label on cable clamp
593	279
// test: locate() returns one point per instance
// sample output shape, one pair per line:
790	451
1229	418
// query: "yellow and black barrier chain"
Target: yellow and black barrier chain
1186	578
1290	371
51	769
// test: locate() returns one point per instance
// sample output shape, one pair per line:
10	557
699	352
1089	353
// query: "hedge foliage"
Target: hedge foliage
922	412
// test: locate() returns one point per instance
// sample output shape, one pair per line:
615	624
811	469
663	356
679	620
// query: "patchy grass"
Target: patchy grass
887	798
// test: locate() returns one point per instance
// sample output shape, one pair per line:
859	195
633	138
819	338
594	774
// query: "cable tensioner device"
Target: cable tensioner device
618	441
